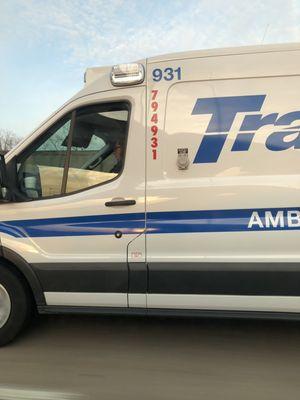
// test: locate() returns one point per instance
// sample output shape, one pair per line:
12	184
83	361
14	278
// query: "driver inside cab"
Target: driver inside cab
114	162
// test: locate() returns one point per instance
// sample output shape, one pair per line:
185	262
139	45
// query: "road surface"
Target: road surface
94	357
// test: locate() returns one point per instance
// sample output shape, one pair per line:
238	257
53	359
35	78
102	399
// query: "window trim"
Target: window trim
39	140
68	155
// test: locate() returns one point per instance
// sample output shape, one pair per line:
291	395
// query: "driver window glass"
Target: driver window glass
98	146
84	149
41	173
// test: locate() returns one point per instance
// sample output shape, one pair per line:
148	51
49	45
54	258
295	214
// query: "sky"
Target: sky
46	45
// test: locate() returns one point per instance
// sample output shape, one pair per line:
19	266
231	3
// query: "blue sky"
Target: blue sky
46	45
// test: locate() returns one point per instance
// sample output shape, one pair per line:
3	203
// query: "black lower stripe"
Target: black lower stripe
268	279
83	277
273	279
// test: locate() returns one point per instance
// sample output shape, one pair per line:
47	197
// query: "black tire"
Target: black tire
21	303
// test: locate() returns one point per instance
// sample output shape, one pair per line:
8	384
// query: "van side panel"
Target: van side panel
228	225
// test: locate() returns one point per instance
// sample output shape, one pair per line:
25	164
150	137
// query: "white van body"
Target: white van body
212	170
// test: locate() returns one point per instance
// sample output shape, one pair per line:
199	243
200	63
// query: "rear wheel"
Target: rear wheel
15	304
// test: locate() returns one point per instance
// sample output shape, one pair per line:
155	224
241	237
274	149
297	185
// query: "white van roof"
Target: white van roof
95	73
225	52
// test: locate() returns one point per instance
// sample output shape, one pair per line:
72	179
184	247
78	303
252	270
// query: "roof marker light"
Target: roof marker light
127	74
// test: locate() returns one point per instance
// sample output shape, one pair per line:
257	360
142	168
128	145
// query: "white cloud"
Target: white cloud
93	32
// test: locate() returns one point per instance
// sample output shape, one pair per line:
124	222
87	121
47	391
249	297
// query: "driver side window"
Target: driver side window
40	174
84	149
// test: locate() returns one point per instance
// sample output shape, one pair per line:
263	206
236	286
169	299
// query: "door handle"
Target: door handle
119	202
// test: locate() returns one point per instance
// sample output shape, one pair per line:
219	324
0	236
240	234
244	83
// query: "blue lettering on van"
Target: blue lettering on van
223	111
167	74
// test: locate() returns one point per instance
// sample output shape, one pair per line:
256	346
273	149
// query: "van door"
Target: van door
83	185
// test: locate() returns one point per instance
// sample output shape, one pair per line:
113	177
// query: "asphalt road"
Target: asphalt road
92	357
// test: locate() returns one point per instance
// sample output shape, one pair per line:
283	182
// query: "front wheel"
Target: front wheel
15	304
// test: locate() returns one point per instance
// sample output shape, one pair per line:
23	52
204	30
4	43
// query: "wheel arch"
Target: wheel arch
21	265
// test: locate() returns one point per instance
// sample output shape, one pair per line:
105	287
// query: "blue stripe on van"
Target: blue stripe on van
204	221
134	223
75	226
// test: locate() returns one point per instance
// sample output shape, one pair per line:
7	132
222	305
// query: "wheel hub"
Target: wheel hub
5	306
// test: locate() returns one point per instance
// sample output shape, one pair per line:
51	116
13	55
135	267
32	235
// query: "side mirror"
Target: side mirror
3	172
4	185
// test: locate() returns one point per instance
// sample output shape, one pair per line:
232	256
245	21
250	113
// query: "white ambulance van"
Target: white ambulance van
168	186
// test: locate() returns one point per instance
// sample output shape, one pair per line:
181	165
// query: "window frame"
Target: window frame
19	158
